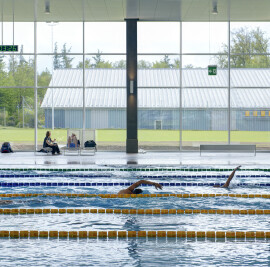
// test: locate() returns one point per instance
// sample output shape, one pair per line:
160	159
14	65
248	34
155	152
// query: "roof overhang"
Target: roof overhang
144	10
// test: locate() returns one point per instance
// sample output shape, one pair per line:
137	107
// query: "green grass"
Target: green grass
26	135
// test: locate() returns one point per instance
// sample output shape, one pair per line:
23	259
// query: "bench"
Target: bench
83	136
228	148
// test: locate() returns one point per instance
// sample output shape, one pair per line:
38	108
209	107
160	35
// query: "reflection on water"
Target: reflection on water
131	251
132	247
134	252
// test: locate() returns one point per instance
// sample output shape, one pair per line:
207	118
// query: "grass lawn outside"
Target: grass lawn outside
26	135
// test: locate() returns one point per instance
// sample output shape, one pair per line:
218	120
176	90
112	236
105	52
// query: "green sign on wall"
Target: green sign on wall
212	70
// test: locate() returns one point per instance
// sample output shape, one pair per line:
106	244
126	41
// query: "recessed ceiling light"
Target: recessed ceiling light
47	7
214	6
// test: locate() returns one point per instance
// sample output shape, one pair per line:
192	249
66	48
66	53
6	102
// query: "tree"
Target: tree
244	43
164	63
176	64
56	58
65	59
143	64
99	62
121	64
62	61
87	64
43	80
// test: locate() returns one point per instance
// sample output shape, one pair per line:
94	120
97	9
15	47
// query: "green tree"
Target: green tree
62	60
99	62
244	43
162	64
87	64
65	59
143	64
176	64
121	64
43	80
56	58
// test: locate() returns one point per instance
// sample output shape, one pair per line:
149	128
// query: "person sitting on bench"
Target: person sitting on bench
49	143
73	141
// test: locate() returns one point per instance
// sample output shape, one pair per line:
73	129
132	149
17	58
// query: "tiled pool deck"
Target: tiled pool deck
30	159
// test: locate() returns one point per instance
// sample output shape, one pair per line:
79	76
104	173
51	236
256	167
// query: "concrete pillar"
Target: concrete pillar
132	120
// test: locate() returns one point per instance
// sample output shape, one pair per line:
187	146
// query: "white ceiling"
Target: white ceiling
145	10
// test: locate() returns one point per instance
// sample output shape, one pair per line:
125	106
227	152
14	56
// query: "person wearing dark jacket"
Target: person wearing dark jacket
49	143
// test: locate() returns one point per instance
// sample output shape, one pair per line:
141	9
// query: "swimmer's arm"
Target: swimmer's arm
135	185
230	177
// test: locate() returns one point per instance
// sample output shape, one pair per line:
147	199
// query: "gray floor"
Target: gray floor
120	158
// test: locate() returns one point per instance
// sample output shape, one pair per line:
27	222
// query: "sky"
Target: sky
109	37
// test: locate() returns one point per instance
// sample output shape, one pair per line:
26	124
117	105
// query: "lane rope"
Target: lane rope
26	184
145	169
137	234
134	195
135	211
5	175
53	175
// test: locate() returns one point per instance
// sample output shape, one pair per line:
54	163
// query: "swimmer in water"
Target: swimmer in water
226	185
5	202
132	189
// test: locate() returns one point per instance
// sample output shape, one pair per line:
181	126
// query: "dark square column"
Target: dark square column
132	120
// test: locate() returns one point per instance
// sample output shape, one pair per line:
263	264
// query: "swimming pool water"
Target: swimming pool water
136	251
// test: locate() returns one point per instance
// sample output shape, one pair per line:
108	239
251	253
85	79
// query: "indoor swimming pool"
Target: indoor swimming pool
76	216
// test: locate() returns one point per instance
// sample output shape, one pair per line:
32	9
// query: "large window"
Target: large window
81	79
158	85
250	84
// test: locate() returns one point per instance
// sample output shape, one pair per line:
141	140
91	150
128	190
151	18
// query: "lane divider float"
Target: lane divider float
135	211
27	184
133	195
5	175
143	169
137	234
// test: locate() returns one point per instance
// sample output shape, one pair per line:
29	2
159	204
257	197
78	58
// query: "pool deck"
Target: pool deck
30	159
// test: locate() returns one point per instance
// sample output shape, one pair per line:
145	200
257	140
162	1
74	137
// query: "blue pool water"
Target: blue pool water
135	252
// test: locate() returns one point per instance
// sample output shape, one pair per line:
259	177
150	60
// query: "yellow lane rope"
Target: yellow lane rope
135	211
137	195
135	234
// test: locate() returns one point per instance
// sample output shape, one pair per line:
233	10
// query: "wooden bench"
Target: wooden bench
228	148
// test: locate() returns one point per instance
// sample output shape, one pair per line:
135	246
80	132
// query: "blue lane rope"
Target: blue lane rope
142	169
54	175
139	177
202	176
14	184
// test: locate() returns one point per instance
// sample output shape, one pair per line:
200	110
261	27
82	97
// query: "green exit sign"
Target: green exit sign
212	70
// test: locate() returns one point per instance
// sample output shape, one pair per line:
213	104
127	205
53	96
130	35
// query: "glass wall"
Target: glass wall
204	96
158	85
71	56
250	84
17	101
180	105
